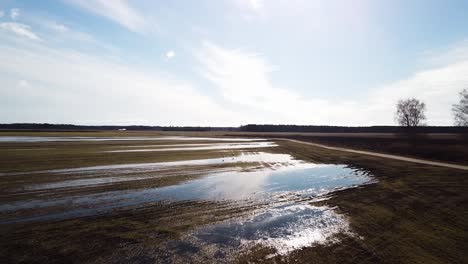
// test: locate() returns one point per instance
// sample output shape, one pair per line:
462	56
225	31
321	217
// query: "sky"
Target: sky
231	62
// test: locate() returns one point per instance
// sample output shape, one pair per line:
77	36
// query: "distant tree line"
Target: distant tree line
344	129
198	128
70	127
246	128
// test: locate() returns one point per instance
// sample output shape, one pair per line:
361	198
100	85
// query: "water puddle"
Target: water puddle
273	183
283	228
260	157
206	147
287	223
169	145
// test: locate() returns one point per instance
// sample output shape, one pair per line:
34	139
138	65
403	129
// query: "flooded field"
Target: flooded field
229	194
67	139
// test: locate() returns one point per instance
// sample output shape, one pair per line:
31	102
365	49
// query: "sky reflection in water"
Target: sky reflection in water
289	222
305	179
283	183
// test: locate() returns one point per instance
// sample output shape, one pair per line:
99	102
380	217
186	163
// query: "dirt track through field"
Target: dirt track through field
388	156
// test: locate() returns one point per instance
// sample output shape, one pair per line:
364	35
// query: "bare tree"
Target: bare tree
410	112
460	110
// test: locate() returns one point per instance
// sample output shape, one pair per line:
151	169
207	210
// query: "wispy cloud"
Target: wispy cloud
2	13
19	29
438	87
97	90
245	79
14	13
107	91
44	29
55	30
118	11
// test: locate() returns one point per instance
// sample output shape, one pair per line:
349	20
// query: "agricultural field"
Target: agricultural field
153	197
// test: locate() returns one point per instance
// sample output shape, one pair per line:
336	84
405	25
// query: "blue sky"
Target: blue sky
228	63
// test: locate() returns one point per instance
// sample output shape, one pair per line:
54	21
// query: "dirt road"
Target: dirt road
388	156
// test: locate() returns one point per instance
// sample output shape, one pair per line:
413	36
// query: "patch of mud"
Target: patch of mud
85	182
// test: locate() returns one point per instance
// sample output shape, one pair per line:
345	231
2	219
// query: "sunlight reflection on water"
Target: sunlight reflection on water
283	185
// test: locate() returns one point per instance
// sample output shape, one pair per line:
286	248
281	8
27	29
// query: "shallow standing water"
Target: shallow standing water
280	186
288	222
301	179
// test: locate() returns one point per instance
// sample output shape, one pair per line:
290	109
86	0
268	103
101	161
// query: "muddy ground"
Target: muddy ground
411	214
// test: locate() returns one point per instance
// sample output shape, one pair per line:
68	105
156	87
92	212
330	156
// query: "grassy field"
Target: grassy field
412	214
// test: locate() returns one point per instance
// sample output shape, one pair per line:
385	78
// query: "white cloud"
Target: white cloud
79	88
76	87
170	54
62	31
437	87
14	13
19	29
2	13
244	79
118	11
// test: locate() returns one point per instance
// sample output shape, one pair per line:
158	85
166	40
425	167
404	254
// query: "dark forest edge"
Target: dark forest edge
246	128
